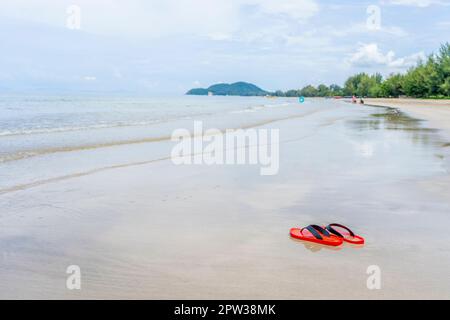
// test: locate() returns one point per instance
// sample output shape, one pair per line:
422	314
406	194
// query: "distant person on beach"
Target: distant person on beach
353	99
361	100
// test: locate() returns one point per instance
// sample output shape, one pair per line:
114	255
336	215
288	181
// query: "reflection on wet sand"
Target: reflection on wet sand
316	247
393	119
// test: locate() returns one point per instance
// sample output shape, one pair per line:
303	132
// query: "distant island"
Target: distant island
234	89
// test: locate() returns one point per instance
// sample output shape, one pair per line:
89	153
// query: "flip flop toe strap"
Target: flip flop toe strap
335	232
317	231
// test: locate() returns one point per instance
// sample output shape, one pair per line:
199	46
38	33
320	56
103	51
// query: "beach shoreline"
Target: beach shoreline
436	112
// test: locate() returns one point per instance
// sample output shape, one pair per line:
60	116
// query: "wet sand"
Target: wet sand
437	112
153	230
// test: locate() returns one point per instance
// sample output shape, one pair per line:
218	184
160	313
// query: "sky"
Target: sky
170	46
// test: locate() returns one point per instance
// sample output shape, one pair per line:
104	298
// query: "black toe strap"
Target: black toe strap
335	232
317	231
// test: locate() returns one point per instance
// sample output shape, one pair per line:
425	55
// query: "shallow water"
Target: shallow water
107	199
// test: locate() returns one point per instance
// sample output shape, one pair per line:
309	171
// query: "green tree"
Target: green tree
292	93
375	82
309	91
414	82
336	90
323	91
445	88
352	83
392	86
443	69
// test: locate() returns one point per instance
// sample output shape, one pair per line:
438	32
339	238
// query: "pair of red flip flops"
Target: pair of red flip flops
332	235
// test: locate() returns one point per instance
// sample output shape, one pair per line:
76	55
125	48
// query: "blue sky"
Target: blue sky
170	46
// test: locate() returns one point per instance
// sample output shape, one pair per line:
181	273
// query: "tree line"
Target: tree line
428	79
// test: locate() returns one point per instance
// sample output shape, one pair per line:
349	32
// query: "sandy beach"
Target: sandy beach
140	227
437	112
200	150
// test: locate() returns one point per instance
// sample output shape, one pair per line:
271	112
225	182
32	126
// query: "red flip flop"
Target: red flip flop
316	234
344	233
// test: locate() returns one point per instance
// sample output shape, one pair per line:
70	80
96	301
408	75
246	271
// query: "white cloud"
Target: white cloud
361	28
369	55
393	30
443	24
215	19
297	9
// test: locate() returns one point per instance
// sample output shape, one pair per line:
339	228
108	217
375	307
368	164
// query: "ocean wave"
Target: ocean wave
261	107
247	110
46	130
37	183
20	132
32	153
277	105
40	152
